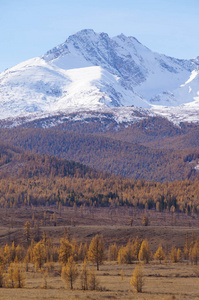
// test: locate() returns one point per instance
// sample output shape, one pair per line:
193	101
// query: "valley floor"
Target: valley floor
161	281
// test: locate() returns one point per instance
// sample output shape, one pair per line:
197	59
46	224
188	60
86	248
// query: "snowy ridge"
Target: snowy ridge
118	115
92	72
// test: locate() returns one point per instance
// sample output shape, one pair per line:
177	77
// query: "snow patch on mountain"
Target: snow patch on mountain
187	92
37	86
194	74
188	112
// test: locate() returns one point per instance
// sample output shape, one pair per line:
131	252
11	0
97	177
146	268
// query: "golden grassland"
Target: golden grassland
161	281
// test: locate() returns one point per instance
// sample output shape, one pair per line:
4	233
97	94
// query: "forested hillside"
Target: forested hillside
28	179
157	132
108	154
16	163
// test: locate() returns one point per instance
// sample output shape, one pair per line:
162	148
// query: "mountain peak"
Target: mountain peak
122	36
83	32
90	71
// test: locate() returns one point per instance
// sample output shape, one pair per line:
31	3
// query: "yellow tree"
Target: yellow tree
136	247
93	282
159	255
6	254
75	249
186	248
129	255
84	275
179	255
29	254
145	252
65	251
9	276
195	253
121	255
20	253
112	252
173	254
19	275
70	272
137	279
126	254
39	254
48	245
96	250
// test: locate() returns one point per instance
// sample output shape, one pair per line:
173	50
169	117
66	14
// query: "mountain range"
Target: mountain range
92	72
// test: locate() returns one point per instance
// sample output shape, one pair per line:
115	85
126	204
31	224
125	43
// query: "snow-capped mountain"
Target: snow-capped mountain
92	71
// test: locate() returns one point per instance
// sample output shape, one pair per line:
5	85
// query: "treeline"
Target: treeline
155	132
100	192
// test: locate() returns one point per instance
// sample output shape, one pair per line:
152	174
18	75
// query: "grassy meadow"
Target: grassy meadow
161	281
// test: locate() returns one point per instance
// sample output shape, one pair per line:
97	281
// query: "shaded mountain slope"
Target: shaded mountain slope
105	154
15	162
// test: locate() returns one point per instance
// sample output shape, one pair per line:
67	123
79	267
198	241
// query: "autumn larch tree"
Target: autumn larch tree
137	279
136	247
126	254
65	251
194	253
93	282
186	248
39	254
173	254
96	250
159	255
9	277
145	252
112	252
70	272
84	275
19	275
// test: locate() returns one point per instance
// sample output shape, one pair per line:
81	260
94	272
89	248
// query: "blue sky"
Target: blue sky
28	28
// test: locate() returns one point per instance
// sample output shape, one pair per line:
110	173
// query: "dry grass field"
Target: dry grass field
164	281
